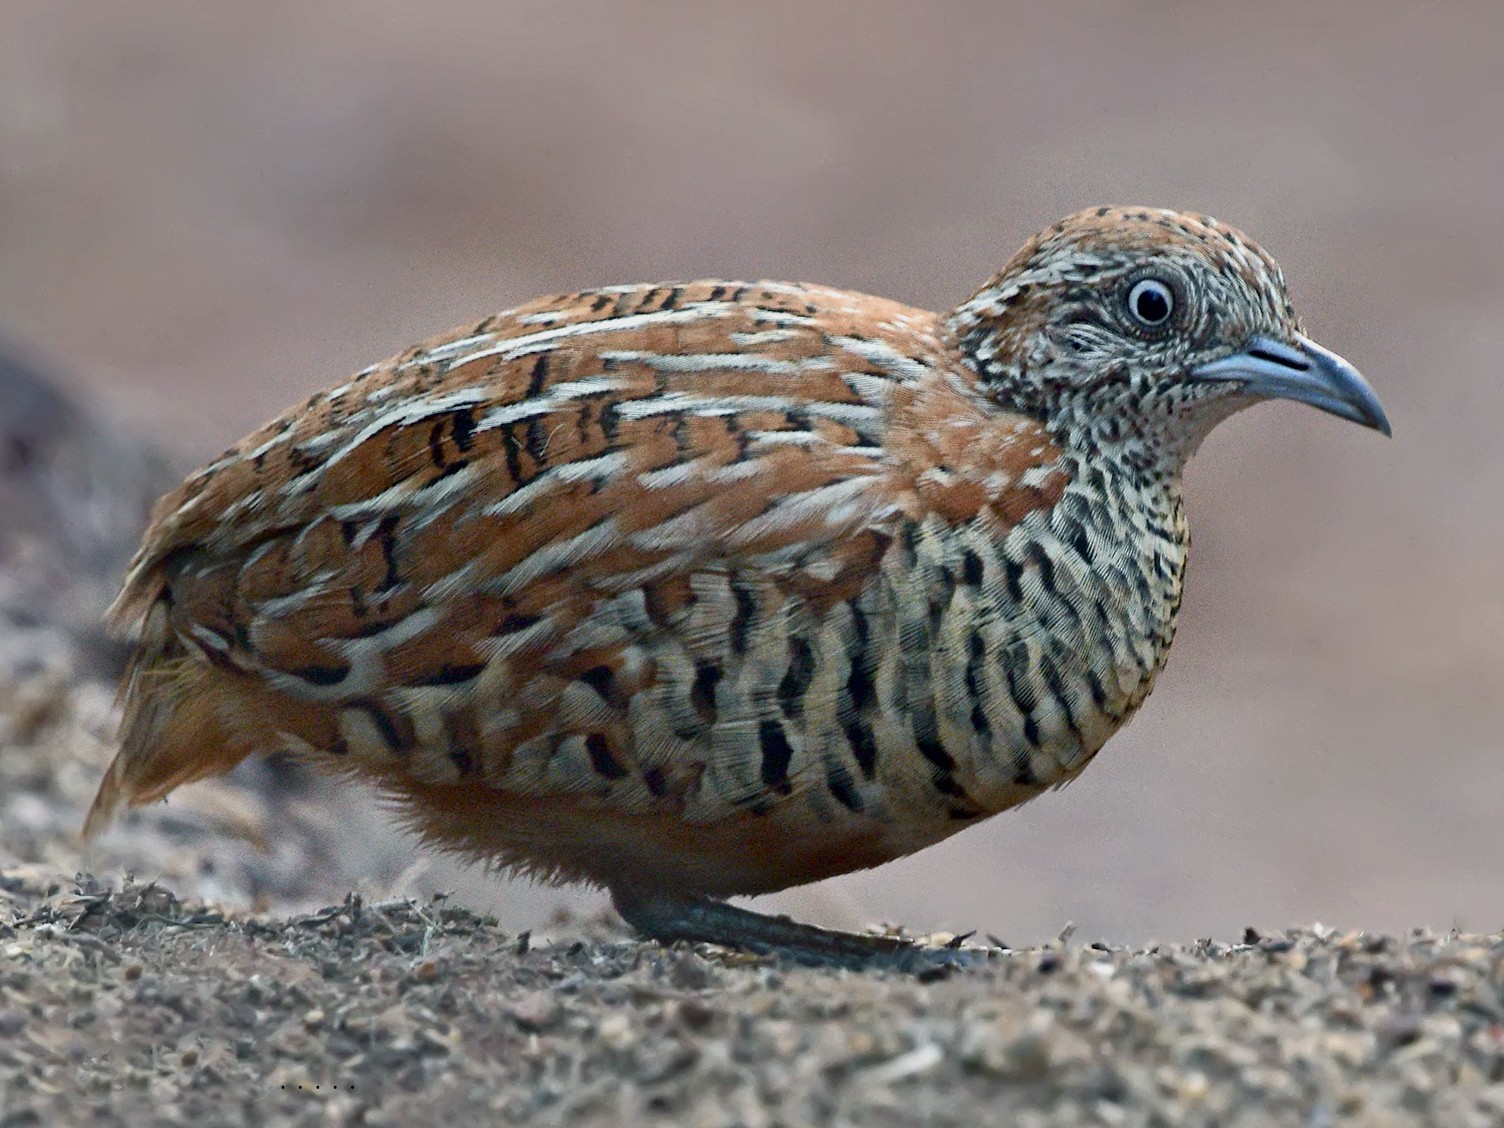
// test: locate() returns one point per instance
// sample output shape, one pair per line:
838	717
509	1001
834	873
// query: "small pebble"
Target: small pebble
535	1011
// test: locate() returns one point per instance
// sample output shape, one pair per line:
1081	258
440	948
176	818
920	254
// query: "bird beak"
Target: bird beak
1304	372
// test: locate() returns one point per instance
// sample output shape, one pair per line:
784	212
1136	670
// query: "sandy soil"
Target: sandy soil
147	1009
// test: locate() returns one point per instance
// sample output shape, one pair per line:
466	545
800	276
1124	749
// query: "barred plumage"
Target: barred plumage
702	589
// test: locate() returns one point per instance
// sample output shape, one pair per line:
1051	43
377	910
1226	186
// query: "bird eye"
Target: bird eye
1151	302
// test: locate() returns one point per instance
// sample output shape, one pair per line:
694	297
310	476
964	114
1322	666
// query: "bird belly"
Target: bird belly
568	838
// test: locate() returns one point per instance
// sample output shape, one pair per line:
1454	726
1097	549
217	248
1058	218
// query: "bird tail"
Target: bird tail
175	726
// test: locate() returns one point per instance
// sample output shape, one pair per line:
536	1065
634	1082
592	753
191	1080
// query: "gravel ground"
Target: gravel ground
128	1003
124	1003
139	1007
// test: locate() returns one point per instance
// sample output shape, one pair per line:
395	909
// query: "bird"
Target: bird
701	590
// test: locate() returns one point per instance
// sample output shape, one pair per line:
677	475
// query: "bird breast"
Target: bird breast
1001	662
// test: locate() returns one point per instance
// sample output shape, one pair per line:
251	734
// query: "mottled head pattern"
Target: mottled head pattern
1055	331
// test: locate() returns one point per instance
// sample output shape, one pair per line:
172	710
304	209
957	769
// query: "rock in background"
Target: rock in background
75	493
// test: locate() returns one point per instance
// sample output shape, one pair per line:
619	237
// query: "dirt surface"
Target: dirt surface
121	1003
147	1009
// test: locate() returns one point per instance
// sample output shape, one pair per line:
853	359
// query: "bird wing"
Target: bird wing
510	508
593	442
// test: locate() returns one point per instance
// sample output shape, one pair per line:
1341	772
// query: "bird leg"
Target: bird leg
667	917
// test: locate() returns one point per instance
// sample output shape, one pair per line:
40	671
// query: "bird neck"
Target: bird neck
1149	422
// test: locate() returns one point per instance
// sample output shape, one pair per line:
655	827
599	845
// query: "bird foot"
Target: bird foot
702	920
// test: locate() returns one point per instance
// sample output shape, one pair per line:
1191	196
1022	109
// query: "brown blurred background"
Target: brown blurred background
208	211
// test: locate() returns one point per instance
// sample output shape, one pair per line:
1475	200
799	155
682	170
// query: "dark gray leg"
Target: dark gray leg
667	918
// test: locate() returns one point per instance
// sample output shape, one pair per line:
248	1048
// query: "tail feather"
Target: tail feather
175	727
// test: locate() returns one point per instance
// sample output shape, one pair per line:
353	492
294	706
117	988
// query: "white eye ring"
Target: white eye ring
1151	302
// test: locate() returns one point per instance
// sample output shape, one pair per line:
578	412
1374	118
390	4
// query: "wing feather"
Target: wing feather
559	551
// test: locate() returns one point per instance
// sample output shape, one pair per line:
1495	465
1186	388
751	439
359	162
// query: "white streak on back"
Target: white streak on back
720	362
556	556
529	343
883	355
411	411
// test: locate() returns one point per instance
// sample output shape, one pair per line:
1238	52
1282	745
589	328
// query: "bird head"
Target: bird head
1144	327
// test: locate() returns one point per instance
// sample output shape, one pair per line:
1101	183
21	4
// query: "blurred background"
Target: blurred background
209	211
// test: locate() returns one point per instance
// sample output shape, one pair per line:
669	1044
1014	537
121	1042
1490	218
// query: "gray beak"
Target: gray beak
1304	372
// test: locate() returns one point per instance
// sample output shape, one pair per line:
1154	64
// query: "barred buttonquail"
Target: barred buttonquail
704	589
